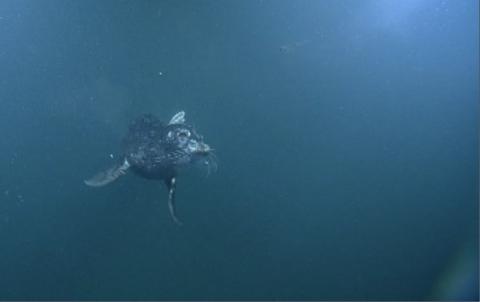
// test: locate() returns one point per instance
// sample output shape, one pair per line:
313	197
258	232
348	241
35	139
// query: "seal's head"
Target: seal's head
184	145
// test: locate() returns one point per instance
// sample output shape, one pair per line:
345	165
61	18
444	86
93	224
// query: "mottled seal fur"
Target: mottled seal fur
155	150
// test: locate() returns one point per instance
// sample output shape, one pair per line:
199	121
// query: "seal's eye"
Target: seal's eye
184	133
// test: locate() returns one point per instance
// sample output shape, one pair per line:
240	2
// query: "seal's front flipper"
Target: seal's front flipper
178	118
171	186
108	176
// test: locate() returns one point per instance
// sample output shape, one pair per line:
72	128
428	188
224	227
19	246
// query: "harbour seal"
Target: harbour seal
154	150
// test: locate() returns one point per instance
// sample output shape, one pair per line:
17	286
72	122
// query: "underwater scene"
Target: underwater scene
239	150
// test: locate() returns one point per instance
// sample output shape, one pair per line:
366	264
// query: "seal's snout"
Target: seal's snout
203	148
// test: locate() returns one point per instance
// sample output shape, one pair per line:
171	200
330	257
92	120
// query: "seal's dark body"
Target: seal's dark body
146	148
155	150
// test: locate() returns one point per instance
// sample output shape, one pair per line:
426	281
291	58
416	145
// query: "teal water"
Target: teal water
346	134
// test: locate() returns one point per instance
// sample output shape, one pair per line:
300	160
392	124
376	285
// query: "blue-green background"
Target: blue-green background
346	134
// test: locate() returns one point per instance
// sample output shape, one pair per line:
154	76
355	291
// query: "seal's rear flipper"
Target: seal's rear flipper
108	176
171	186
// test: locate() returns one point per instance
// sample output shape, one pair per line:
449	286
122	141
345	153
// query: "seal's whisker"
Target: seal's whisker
212	161
208	167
